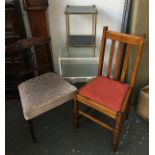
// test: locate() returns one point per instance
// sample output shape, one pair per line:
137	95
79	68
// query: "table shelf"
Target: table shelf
76	40
81	40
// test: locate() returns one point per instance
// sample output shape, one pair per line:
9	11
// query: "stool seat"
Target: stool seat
43	93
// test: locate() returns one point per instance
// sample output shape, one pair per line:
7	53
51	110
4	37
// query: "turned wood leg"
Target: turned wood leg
128	109
127	114
116	132
30	125
75	113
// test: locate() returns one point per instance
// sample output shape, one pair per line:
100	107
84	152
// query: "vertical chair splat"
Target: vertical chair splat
111	58
102	51
125	63
118	60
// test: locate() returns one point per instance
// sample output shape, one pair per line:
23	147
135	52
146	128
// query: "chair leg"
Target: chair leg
75	113
116	132
127	114
30	125
128	109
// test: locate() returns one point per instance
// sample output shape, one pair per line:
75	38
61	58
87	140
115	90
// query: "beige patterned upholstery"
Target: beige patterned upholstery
43	93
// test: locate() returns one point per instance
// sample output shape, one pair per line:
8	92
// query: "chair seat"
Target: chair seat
43	93
106	92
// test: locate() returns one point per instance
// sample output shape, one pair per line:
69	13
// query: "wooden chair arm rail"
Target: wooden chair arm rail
26	43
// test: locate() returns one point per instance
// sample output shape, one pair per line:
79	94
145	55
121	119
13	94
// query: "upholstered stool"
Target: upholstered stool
42	93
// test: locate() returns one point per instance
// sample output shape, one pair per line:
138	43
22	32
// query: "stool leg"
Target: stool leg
30	125
128	109
75	113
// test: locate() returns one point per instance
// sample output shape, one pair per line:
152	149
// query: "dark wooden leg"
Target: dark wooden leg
30	125
75	112
128	109
127	114
116	132
86	111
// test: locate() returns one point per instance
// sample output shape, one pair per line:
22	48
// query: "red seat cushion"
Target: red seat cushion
107	92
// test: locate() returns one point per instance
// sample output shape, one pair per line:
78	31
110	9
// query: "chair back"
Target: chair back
24	51
123	40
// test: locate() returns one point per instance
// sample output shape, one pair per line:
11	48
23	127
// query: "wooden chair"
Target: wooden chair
106	94
44	92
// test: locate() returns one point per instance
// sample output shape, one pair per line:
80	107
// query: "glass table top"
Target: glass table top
71	9
80	53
